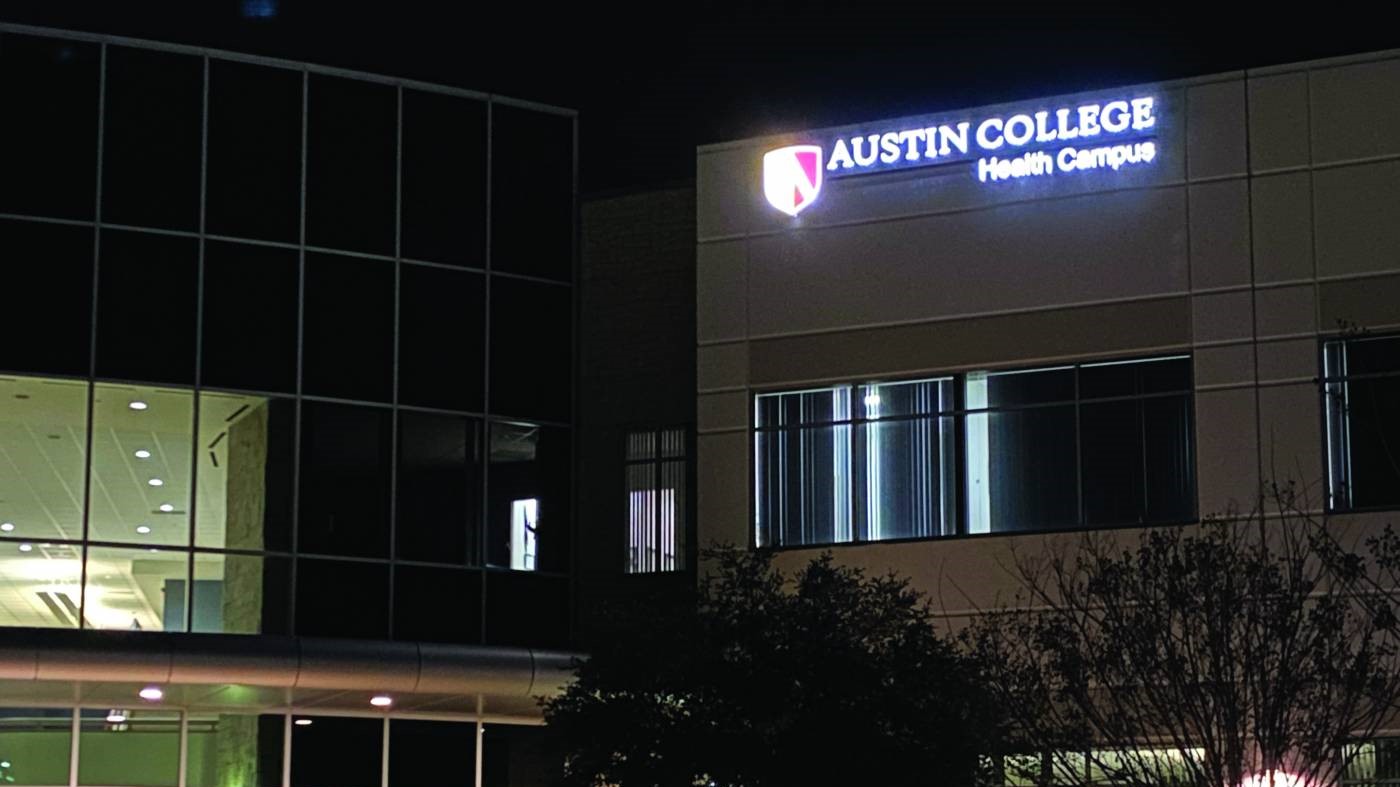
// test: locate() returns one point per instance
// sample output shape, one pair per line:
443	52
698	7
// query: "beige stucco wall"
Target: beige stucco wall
1271	214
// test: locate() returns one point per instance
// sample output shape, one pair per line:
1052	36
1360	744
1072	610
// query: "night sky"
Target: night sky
652	81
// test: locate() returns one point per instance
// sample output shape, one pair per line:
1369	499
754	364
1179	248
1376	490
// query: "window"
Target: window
1372	763
1000	451
1361	378
656	501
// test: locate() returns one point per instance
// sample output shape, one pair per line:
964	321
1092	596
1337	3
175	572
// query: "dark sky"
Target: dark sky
652	81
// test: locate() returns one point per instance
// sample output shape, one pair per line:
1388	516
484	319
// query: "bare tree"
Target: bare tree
1248	651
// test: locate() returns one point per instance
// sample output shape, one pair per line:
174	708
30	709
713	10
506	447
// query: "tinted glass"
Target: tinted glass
905	485
526	610
36	742
531	349
444	179
43	431
441	338
52	264
246	462
532	193
241	594
803	407
332	752
254	165
1010	389
1031	469
142	444
139	590
439	488
129	748
49	137
349	327
517	754
152	139
803	482
344	480
437	604
250	317
147	291
350	165
227	749
1373	411
45	578
1130	378
432	753
528	495
342	599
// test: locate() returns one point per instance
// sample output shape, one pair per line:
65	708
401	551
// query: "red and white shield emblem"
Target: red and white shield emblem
792	176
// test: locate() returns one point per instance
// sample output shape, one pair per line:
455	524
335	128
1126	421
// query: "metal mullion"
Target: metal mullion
74	745
301	364
394	393
92	345
959	492
192	521
487	425
1078	454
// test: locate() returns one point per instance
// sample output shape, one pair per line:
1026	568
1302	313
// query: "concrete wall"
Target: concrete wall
1270	217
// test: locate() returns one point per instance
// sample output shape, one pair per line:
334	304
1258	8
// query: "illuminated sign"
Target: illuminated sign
1106	135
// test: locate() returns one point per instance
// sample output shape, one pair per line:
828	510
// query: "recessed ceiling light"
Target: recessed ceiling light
381	700
26	547
151	694
156	482
7	526
302	722
116	717
143	529
142	453
137	404
166	508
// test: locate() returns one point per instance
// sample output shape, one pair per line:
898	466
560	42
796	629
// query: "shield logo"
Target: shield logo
792	176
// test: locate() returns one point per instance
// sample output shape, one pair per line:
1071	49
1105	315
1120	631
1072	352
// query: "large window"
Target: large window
1362	384
999	451
656	500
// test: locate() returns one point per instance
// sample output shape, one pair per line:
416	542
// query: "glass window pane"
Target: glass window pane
641	445
40	584
1130	378
1373	433
345	459
147	291
342	599
432	753
1170	458
904	482
1033	386
643	503
49	137
152	138
526	610
1373	355
803	407
137	589
1028	469
349	327
441	338
350	164
923	397
1113	454
803	486
250	317
245	452
241	594
532	204
254	160
233	750
439	494
34	744
121	747
444	179
337	752
517	754
437	605
531	349
55	262
43	439
142	444
528	506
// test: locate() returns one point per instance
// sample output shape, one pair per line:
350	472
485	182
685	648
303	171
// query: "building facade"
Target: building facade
286	442
927	341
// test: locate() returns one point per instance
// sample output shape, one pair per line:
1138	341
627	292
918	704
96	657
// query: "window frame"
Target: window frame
959	415
685	537
1325	415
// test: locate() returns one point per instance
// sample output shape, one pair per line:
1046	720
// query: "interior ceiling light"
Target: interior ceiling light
302	722
26	547
381	700
116	717
142	453
137	404
156	482
143	529
7	527
166	508
151	694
